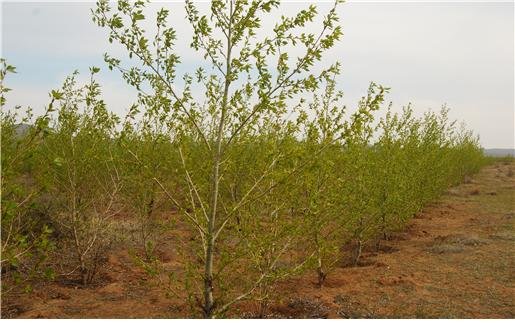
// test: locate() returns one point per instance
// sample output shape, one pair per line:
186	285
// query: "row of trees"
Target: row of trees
292	196
266	170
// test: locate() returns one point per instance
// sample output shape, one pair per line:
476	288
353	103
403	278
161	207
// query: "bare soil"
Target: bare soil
454	260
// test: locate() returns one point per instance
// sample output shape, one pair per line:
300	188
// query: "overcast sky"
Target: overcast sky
433	53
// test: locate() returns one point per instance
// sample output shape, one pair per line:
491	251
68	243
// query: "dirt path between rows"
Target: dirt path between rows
455	260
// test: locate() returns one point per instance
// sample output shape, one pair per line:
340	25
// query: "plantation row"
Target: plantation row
290	197
263	178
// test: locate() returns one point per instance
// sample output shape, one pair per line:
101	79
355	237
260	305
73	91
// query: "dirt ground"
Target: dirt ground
454	260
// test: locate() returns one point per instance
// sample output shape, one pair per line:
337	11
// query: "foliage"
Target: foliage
78	167
25	231
263	172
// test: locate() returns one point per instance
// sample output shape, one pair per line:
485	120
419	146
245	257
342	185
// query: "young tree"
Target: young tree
25	232
319	183
323	182
253	77
142	145
78	167
357	191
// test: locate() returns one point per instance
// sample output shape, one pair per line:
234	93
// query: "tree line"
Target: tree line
268	173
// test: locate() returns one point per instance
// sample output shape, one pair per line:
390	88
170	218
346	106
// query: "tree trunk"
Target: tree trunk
320	271
321	275
357	252
209	304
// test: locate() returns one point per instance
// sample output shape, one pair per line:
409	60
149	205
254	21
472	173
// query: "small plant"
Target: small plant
25	230
80	172
141	150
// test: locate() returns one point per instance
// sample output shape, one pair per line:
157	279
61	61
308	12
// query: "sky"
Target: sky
460	54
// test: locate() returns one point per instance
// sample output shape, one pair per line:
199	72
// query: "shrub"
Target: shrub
25	230
80	173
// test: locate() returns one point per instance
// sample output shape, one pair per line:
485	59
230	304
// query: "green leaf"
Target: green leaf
58	161
56	95
116	22
137	16
143	43
10	68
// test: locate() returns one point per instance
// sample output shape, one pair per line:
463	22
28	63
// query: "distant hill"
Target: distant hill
499	152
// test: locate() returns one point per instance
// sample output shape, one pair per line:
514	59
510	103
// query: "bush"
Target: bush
80	173
26	231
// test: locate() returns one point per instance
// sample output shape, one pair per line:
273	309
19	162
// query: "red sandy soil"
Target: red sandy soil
454	260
